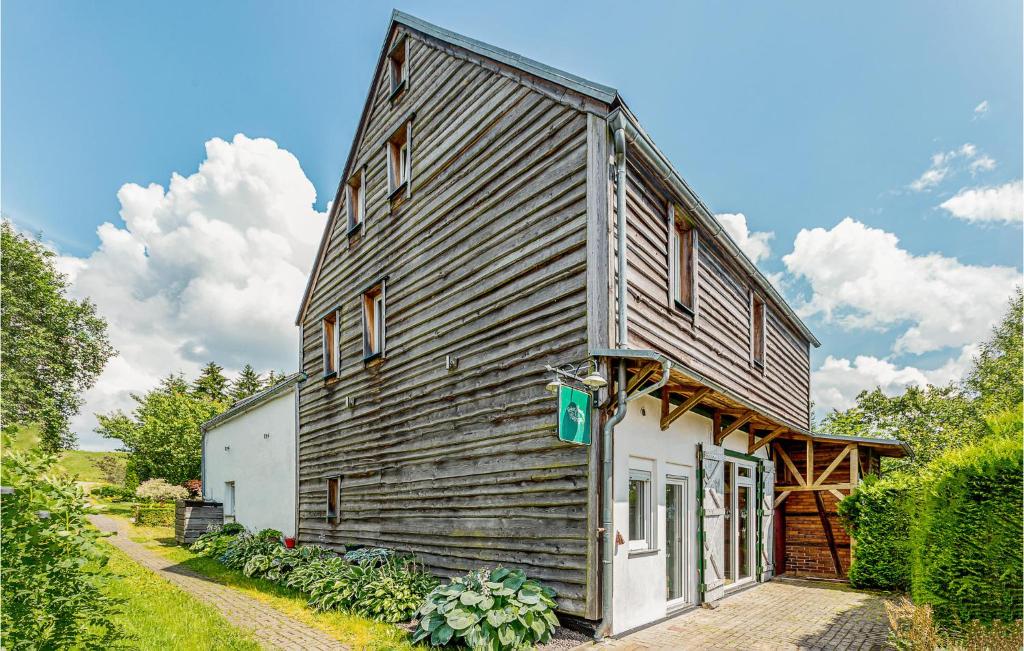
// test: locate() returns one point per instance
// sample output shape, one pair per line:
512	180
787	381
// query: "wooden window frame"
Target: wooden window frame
681	232
398	159
398	68
758	332
330	333
333	490
355	200
373	306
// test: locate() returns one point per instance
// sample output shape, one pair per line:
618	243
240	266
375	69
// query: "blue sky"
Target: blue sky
796	115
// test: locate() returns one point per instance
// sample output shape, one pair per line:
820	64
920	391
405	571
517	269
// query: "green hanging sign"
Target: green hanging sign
573	415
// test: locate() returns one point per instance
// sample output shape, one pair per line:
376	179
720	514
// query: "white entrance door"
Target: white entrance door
229	501
677	539
740	522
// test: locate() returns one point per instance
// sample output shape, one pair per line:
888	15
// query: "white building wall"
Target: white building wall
256	451
639	578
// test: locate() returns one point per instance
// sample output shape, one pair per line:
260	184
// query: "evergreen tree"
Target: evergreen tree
247	383
211	383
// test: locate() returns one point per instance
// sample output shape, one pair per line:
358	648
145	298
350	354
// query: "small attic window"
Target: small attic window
329	325
398	65
757	334
355	199
399	154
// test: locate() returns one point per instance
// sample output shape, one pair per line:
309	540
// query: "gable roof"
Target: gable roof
594	90
253	401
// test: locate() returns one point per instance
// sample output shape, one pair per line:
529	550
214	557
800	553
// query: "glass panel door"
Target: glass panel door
676	552
730	520
743	532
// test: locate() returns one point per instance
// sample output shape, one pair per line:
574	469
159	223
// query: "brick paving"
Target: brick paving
782	614
272	628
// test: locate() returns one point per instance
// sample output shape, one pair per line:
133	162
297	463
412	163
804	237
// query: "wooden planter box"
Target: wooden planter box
192	518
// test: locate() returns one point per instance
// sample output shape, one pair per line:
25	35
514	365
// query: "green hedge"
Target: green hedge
966	536
877	515
154	516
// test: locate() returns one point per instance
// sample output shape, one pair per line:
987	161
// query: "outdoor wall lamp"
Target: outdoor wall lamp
593	379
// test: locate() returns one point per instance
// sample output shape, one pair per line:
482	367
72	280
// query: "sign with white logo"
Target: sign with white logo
573	415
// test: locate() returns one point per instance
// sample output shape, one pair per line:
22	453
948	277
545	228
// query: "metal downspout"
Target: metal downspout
608	548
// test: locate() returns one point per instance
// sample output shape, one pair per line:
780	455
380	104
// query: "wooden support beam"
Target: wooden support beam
827	526
666	403
641	376
810	461
774	434
854	464
835	463
779	498
792	466
668	417
735	425
840	497
816	488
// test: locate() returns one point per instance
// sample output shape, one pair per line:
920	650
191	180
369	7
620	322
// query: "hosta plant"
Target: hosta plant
371	555
215	541
280	562
488	609
389	592
245	545
305	576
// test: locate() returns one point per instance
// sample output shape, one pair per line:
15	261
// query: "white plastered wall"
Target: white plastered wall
256	451
639	593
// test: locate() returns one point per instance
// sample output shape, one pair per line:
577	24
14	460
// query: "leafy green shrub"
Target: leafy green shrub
245	545
305	576
489	609
52	566
158	490
966	537
913	628
390	591
371	555
214	541
113	493
280	562
878	514
154	516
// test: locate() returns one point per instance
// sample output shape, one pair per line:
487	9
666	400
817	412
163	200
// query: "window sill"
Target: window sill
354	229
398	91
369	359
683	309
399	191
641	553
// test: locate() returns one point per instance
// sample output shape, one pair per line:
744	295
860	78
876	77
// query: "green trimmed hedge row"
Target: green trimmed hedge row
878	514
966	537
154	516
951	535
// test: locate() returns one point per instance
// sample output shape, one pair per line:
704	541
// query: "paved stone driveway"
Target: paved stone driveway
781	614
272	628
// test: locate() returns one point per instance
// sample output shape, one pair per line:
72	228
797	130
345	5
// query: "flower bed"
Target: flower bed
486	609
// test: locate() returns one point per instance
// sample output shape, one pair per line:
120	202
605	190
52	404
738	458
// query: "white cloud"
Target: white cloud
982	164
860	278
836	383
1003	203
212	268
755	244
946	163
981	110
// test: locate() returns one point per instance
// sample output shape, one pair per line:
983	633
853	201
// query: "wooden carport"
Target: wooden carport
813	471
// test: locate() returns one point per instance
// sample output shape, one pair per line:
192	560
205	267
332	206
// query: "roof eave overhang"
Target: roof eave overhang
621	117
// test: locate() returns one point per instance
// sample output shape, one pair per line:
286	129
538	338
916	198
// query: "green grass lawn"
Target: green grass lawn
158	616
78	463
356	632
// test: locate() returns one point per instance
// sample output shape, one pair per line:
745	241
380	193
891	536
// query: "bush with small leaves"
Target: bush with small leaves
489	609
158	490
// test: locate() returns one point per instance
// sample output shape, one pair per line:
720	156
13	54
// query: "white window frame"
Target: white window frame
230	489
380	320
398	150
355	199
647	510
329	341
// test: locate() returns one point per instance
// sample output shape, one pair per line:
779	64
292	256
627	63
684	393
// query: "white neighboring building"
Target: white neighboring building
249	458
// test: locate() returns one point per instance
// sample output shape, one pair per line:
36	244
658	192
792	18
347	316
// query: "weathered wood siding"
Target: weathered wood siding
717	340
487	263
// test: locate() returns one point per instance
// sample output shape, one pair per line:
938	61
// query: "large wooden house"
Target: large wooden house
472	256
